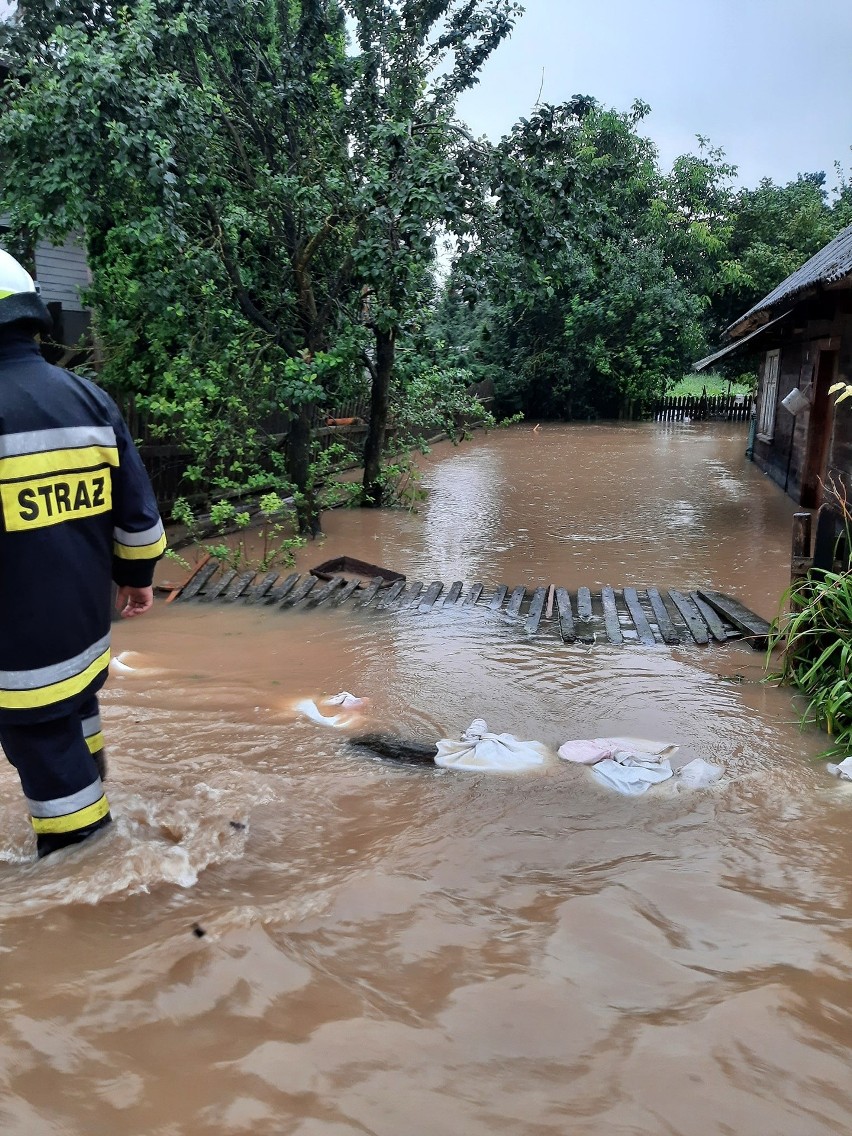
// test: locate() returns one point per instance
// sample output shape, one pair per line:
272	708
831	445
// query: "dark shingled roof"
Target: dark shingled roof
830	265
703	364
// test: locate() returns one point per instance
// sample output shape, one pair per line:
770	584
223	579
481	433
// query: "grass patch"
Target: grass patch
714	384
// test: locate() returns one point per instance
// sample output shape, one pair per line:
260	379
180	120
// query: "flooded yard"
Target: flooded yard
279	936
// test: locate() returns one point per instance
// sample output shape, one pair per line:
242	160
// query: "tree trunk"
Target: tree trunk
298	470
371	494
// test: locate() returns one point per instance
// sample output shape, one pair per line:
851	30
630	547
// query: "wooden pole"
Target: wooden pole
800	560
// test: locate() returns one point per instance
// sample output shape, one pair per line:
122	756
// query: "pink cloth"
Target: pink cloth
585	752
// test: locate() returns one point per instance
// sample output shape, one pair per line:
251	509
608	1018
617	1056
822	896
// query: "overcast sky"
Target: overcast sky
770	81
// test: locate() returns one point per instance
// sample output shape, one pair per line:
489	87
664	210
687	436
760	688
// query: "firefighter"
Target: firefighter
76	512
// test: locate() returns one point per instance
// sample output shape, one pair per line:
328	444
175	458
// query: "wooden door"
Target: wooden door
820	425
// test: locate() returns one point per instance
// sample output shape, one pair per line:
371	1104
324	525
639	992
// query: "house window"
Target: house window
766	425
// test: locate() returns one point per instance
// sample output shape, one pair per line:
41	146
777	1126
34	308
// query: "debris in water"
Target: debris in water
198	931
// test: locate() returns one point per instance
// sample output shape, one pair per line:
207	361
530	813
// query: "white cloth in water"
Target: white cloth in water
698	774
632	773
591	752
349	703
128	663
843	769
346	700
584	752
481	751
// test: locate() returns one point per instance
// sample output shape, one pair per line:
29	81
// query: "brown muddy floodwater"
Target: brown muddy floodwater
412	952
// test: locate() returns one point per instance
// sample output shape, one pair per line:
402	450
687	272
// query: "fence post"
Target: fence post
800	560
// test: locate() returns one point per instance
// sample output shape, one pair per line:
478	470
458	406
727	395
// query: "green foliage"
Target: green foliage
271	521
712	385
581	309
816	643
259	200
435	400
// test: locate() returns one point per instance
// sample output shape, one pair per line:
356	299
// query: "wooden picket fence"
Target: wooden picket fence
703	408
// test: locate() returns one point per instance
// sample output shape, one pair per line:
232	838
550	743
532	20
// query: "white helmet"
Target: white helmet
19	299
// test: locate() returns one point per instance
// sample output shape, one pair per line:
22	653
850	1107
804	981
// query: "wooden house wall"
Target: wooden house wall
772	456
798	344
840	460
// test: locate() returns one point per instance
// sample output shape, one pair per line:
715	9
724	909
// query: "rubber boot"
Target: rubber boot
47	842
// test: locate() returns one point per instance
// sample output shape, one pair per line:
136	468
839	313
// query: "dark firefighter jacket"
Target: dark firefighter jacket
77	511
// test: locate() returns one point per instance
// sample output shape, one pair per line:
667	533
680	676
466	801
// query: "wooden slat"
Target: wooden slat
281	590
566	616
371	591
391	595
219	586
207	569
640	620
239	586
474	594
346	592
514	604
498	597
668	631
755	629
453	594
536	610
260	590
585	616
307	585
691	617
412	594
584	605
611	623
432	593
717	628
320	595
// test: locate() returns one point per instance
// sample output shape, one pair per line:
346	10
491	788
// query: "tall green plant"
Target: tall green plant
815	640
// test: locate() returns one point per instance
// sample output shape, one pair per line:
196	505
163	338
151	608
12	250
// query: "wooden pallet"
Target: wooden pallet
615	616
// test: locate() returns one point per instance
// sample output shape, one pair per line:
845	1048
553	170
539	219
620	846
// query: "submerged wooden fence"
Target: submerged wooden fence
616	616
703	408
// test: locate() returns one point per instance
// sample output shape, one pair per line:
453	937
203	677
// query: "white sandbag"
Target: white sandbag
632	773
698	774
481	751
843	769
584	752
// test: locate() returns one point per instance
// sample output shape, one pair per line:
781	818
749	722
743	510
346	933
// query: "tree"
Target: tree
408	153
201	148
579	265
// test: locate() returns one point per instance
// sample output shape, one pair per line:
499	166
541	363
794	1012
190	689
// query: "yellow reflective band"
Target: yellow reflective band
140	551
55	692
82	818
95	742
51	501
4	293
21	466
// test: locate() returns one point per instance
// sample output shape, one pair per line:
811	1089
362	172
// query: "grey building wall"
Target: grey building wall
62	273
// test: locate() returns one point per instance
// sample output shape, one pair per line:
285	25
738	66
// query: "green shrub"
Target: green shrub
815	637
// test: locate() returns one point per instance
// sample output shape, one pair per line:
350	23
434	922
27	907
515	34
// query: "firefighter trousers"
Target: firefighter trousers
59	765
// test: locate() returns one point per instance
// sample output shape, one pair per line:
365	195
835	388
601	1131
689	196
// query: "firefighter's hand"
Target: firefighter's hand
134	601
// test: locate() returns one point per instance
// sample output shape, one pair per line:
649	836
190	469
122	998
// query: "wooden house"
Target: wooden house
803	330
